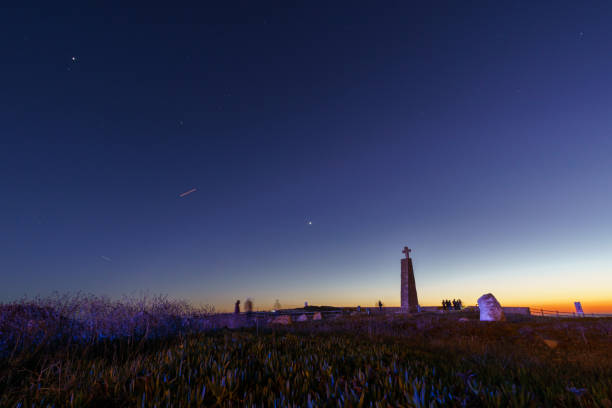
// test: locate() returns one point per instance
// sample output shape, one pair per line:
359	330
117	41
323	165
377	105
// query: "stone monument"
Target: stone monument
410	301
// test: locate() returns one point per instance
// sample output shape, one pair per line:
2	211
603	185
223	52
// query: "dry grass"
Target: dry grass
380	360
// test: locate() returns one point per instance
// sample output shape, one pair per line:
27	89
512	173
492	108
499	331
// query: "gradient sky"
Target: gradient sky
477	133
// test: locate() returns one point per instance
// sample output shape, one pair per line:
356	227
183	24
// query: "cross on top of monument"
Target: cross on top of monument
407	252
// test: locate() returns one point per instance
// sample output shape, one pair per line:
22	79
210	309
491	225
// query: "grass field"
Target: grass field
381	360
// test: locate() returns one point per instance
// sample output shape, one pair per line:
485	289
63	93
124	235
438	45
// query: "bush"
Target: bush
61	319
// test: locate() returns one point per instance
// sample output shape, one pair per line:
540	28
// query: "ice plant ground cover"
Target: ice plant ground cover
381	360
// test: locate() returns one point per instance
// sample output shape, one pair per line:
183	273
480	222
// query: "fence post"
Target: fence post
542	311
557	313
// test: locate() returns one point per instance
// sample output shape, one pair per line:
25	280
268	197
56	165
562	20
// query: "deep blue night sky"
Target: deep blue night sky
477	133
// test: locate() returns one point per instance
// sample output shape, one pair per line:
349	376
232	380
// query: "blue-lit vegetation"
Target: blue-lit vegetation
87	351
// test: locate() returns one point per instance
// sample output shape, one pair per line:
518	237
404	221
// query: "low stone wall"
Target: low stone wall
507	310
399	309
517	310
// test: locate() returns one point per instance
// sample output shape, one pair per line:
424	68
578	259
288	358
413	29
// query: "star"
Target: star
309	222
73	59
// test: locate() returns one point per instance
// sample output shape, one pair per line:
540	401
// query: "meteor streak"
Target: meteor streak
188	192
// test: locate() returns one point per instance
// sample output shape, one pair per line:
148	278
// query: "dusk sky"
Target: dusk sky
320	139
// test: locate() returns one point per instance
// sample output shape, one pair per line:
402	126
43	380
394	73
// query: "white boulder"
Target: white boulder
490	309
302	318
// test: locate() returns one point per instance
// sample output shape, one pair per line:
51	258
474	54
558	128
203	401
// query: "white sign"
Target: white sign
578	307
